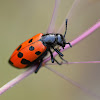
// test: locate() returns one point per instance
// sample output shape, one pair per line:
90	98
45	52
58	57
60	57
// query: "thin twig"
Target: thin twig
74	83
54	16
17	80
68	15
82	62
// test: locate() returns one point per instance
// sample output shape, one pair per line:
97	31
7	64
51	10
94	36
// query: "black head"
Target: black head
53	39
61	40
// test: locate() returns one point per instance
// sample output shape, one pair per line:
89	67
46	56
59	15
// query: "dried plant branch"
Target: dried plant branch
16	80
82	62
74	83
54	16
68	15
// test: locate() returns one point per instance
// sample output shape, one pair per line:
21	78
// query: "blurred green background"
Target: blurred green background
22	19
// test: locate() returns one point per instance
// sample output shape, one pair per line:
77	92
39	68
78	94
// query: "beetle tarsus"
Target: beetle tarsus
69	44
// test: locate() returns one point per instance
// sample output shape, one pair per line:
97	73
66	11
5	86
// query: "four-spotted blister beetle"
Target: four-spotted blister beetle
35	49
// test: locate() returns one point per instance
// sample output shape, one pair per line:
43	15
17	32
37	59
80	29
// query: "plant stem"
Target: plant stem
54	16
68	15
16	80
74	83
82	62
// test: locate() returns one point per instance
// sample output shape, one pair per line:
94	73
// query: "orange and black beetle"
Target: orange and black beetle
35	49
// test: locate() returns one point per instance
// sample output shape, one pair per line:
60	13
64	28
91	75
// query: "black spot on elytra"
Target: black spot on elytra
19	47
10	62
30	40
24	61
31	48
38	53
20	55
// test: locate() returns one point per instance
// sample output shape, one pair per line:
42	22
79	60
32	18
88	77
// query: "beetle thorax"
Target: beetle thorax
53	40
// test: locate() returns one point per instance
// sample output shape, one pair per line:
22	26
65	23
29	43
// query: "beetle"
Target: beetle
33	50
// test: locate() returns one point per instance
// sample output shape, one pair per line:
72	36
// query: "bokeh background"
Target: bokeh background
22	19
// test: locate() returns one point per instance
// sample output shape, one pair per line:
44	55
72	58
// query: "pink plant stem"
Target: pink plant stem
78	39
74	83
17	79
54	16
76	2
83	62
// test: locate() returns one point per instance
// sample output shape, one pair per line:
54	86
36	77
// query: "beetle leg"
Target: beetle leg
60	55
58	51
69	44
59	63
52	58
39	66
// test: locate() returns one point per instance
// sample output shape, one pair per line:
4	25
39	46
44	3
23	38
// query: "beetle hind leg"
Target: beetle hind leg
52	58
37	69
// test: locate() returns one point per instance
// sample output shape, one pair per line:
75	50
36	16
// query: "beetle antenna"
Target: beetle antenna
65	28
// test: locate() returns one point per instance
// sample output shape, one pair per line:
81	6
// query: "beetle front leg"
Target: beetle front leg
69	44
58	51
